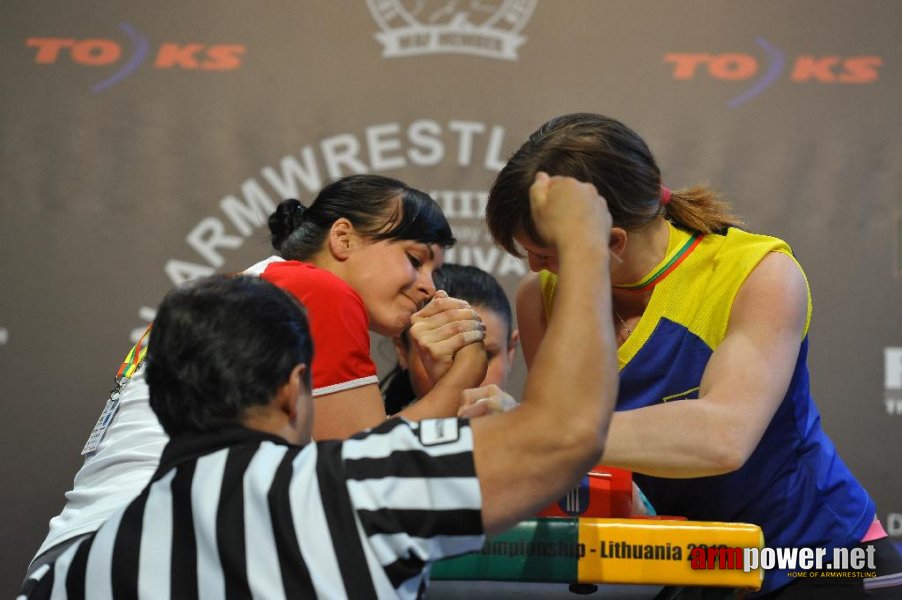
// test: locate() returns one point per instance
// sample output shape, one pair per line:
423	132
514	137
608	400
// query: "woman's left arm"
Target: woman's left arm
742	386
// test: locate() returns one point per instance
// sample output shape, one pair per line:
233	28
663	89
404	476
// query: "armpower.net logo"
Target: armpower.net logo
134	52
799	562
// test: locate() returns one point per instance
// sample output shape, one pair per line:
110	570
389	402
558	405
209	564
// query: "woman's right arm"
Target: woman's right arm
340	415
444	399
530	316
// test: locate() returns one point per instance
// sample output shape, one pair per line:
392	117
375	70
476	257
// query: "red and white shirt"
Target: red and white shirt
338	323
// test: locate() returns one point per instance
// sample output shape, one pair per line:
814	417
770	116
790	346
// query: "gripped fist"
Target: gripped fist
440	329
568	211
488	400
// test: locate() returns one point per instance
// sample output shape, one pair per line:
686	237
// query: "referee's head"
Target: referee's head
231	350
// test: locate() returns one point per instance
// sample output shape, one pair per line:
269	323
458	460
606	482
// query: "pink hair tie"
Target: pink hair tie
665	195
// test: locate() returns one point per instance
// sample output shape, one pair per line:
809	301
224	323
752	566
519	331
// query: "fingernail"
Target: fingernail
472	336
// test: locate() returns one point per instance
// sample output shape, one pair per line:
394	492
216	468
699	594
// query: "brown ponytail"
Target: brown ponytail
699	208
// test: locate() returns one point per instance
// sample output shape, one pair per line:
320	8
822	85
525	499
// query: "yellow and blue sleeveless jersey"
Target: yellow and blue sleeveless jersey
794	485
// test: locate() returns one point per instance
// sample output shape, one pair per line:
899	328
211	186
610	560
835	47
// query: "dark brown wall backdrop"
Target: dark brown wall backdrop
143	144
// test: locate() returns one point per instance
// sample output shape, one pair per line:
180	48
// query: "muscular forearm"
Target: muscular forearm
467	371
560	427
686	438
578	346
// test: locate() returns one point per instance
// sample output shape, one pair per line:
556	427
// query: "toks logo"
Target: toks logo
745	67
96	52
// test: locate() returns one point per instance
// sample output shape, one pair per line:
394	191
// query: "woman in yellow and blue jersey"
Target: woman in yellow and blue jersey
714	413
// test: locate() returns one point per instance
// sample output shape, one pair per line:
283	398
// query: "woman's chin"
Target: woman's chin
392	328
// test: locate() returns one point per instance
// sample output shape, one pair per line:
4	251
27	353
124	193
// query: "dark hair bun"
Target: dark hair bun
287	217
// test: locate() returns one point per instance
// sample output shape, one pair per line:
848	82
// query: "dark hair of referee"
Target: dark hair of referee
207	369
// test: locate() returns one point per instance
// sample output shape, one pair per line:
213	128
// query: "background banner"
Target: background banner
143	144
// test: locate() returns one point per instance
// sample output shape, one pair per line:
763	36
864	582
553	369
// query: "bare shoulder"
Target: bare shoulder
530	287
776	291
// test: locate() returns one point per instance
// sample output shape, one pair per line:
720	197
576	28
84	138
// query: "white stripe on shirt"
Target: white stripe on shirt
381	445
438	493
310	524
155	557
98	575
205	488
258	268
345	385
61	569
261	553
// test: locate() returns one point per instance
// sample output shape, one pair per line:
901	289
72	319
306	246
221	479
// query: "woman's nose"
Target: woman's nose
426	284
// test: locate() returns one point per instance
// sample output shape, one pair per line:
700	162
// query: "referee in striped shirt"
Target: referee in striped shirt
244	505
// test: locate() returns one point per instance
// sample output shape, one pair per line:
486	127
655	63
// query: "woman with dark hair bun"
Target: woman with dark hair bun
360	259
714	412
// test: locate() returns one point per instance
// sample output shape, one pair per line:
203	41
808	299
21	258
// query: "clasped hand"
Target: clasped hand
441	328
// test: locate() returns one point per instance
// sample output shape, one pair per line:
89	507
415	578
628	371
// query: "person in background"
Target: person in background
714	414
244	503
361	258
410	380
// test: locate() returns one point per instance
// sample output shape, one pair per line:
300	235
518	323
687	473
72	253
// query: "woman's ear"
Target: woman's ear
342	239
617	241
512	345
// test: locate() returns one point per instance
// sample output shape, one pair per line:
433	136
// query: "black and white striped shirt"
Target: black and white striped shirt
241	514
